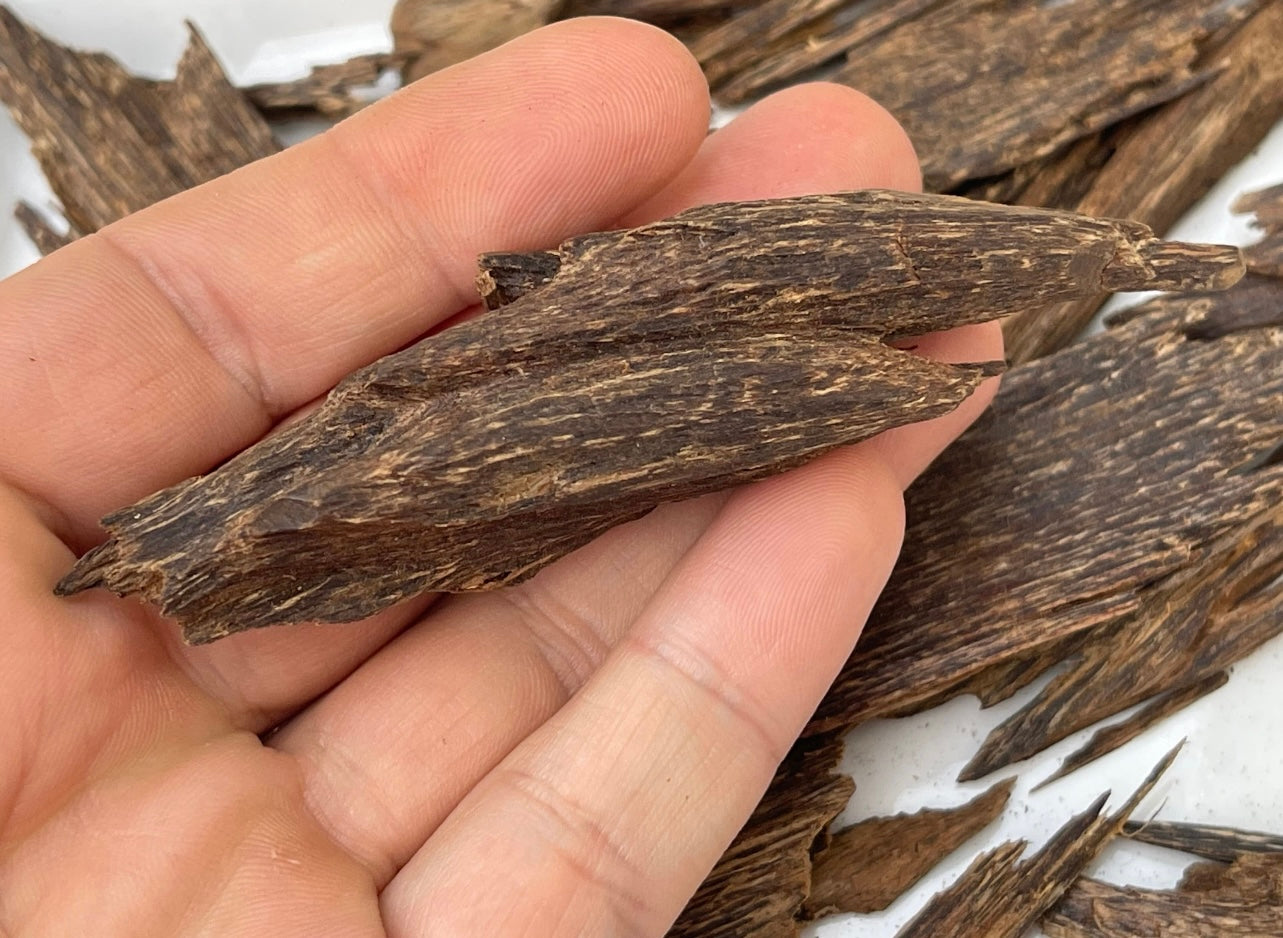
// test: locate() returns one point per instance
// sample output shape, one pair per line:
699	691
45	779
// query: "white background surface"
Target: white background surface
1235	737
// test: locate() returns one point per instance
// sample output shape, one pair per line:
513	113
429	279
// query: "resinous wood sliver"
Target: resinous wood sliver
867	866
110	143
1097	474
1222	844
728	343
1001	897
984	86
1147	178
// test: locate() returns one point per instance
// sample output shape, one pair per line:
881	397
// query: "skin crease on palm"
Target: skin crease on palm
564	758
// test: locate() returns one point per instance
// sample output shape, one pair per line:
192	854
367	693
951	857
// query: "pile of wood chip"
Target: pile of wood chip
1118	507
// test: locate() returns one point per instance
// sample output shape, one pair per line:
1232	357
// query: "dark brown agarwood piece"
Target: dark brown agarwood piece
334	91
1265	257
1097	475
983	86
769	43
432	34
110	143
758	887
41	233
1000	897
1108	738
1244	900
869	865
1150	179
1185	631
731	342
1222	844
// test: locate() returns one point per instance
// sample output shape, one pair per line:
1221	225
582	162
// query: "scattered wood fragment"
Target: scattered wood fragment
1109	738
110	143
982	87
333	91
1186	630
767	44
41	233
1000	897
1265	257
433	34
869	865
1266	205
1150	180
1097	474
1244	900
729	343
758	887
1222	844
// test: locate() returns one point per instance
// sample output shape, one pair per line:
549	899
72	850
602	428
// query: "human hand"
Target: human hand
565	757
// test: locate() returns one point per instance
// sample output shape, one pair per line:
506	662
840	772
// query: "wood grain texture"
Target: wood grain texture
333	91
758	887
1221	844
1109	738
869	865
1097	475
1244	900
731	342
1000	897
1148	178
1186	629
110	143
433	34
985	85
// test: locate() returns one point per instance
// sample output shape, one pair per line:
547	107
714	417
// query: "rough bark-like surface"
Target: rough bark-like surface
983	86
1150	179
1244	900
1096	476
110	143
433	34
1108	738
1000	897
729	343
1184	631
1222	844
334	91
758	887
869	865
778	40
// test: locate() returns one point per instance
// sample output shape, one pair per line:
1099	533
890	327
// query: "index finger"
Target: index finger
151	351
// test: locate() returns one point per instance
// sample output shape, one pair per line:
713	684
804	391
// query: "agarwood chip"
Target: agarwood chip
1109	738
1241	901
111	143
983	86
869	865
731	342
1208	841
1147	178
433	34
1000	897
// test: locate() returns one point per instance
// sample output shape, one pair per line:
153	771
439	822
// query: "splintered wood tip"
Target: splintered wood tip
1176	265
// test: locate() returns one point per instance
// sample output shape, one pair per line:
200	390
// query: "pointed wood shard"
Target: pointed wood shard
111	143
1001	897
723	345
869	865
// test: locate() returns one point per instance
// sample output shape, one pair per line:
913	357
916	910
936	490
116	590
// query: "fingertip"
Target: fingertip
851	130
807	139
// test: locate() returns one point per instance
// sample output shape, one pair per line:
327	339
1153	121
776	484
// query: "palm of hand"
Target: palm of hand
567	757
